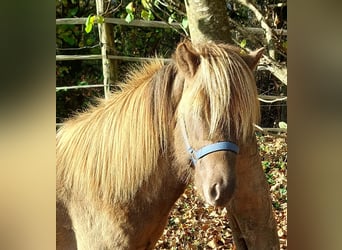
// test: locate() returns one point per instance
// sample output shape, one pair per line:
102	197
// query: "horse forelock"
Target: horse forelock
223	92
109	151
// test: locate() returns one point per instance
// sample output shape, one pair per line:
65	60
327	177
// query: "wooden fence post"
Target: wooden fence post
106	36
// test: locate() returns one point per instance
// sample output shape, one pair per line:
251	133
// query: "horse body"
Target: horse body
133	224
123	164
124	226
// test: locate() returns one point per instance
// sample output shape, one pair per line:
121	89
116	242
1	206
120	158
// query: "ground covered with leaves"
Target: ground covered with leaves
195	225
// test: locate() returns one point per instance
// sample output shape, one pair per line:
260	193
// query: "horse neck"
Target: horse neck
165	181
249	154
163	187
250	177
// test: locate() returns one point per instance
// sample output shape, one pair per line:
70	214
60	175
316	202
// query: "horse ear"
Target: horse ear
253	58
187	59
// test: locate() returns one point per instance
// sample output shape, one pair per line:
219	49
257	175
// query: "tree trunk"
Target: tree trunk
208	20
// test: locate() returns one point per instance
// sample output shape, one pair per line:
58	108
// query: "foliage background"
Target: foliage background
149	42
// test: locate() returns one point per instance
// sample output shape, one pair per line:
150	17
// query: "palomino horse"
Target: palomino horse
123	164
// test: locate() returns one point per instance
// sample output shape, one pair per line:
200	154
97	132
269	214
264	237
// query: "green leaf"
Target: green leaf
151	16
90	41
283	191
82	83
130	8
144	15
282	125
100	19
129	18
68	38
243	43
88	20
266	165
146	4
171	18
185	22
281	164
285	45
89	24
73	12
156	3
88	27
147	15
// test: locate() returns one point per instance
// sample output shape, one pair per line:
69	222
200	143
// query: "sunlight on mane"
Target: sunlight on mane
224	91
120	139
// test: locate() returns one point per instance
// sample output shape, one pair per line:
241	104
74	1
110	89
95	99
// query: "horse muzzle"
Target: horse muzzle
219	193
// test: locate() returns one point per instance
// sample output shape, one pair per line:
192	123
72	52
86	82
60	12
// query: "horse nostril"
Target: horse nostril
215	192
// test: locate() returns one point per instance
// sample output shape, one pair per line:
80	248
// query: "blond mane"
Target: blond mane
223	91
111	149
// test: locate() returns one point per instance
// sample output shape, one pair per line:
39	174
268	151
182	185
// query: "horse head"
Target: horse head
215	115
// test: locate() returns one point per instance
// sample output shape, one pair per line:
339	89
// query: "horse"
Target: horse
123	163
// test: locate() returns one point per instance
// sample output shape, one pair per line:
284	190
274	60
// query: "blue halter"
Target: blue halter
218	146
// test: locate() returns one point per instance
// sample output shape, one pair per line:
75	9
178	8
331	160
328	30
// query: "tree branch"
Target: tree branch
268	30
277	70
